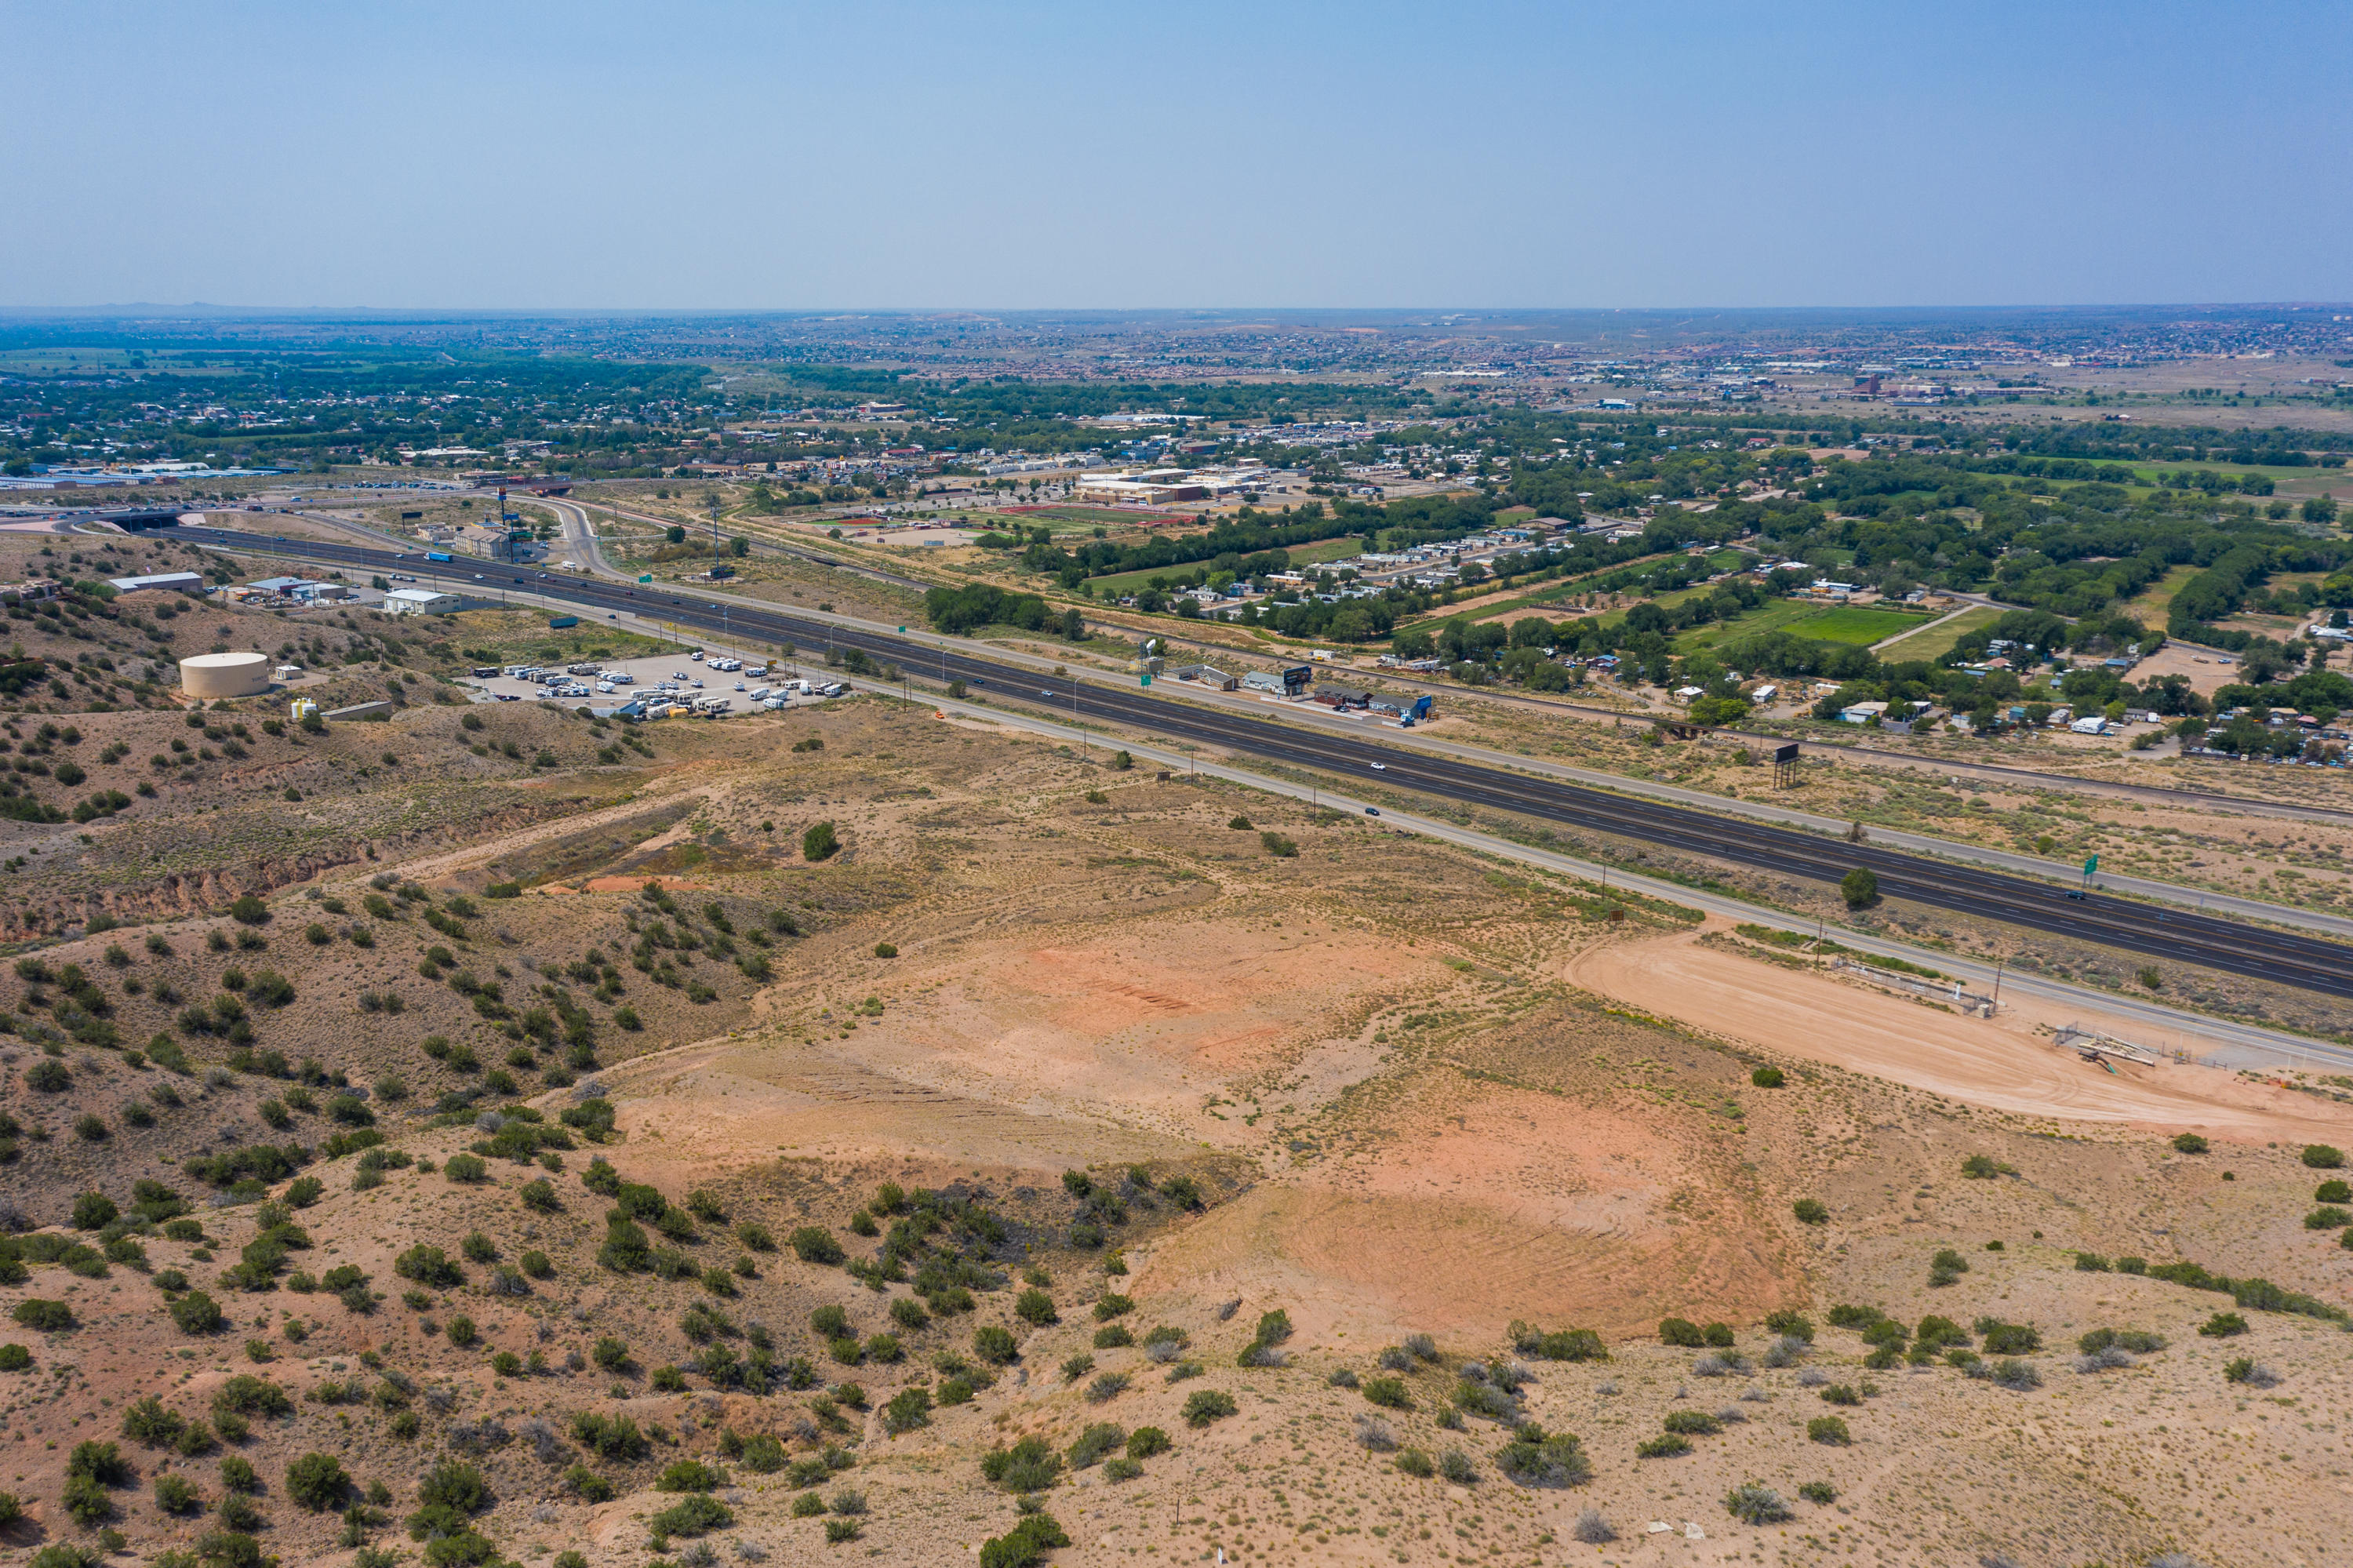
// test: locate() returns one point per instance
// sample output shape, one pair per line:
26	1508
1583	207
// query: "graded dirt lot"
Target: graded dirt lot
1051	1098
2008	1063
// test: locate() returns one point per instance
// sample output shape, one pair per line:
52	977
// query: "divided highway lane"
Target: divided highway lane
2284	957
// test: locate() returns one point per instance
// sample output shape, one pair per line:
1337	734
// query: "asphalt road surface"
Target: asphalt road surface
2179	936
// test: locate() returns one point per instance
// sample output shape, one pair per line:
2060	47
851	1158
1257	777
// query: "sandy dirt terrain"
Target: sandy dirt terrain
1172	1082
2008	1063
2207	673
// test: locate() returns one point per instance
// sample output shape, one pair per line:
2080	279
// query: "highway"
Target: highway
1841	750
2178	936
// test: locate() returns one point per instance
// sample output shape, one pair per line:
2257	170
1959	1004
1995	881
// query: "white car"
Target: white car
604	688
1380	767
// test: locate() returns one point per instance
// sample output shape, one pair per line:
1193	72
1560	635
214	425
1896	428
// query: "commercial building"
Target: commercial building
176	582
302	590
421	601
1171	486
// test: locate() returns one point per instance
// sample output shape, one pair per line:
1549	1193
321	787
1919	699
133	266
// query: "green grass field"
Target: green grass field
1926	645
1311	555
2148	471
1849	623
2153	605
1773	615
1552	593
1821	623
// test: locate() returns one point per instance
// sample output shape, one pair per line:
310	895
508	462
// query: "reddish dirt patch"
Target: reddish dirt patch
1489	1203
1139	1023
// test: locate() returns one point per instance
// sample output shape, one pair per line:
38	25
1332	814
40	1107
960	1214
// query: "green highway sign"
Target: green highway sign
1148	680
2091	865
646	578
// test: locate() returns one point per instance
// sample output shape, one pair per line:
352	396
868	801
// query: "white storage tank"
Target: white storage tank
211	675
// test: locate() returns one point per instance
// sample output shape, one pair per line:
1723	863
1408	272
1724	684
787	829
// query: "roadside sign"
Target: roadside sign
647	578
2091	865
902	631
1148	680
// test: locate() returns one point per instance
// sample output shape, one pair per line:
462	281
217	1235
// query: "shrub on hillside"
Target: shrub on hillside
1206	1405
814	1244
317	1481
196	1313
1029	1466
1753	1502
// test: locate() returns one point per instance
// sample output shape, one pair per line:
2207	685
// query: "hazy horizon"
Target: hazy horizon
733	159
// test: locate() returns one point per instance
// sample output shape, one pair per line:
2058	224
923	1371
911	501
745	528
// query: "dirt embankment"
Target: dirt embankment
2007	1063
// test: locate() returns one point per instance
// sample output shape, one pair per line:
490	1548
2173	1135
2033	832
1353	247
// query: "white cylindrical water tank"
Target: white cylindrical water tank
210	676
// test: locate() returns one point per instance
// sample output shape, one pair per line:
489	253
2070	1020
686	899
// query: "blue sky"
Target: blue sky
707	156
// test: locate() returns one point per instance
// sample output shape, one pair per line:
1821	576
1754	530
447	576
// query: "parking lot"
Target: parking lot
691	680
